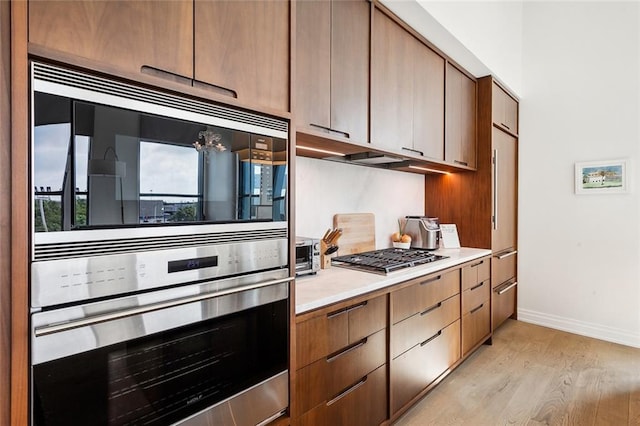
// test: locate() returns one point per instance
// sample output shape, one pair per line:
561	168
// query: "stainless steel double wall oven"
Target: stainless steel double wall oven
160	265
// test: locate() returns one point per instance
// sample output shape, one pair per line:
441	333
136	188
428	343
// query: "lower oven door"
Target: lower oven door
206	357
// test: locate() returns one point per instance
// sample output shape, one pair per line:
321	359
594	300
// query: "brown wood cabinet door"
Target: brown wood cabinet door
504	109
242	48
391	84
428	102
124	35
313	63
350	36
505	184
460	118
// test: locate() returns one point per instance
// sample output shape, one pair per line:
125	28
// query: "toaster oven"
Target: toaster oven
307	255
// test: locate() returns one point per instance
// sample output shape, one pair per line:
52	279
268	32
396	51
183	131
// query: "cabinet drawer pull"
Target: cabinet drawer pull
506	288
476	264
347	391
477	286
432	308
476	309
430	280
505	254
504	125
329	129
215	88
494	160
413	150
346	310
166	75
435	336
346	350
462	163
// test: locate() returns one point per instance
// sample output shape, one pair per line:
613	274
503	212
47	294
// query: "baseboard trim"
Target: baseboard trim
597	331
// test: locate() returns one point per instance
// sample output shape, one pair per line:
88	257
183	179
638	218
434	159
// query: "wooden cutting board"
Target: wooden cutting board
358	232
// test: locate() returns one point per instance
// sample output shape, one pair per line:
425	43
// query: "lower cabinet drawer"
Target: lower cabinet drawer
320	381
425	292
415	369
504	302
503	267
476	325
475	295
363	402
419	327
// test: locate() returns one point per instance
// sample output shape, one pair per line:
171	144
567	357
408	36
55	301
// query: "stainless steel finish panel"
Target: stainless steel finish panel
72	280
95	325
64	82
257	405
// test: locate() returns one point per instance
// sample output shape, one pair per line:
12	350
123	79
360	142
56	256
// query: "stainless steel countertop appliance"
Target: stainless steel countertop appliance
387	260
163	306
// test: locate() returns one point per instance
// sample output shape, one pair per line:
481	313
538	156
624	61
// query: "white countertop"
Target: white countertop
336	284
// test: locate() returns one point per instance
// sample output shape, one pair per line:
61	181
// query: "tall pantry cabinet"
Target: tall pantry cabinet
483	204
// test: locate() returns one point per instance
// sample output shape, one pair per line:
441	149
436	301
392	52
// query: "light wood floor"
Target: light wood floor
533	375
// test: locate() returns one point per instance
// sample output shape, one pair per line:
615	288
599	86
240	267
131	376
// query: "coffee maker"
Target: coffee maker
424	231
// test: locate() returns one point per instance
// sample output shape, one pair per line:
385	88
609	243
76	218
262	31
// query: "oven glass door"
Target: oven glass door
104	166
164	377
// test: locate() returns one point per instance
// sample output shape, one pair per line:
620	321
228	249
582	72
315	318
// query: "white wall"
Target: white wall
578	80
324	188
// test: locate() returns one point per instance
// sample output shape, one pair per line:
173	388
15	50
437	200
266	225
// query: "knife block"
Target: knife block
325	261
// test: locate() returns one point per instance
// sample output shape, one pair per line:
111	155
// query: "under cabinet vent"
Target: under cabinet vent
79	80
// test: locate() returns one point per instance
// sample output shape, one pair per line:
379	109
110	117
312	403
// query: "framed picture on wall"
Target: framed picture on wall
601	177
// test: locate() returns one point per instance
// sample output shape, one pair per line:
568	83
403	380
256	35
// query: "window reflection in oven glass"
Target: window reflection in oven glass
165	377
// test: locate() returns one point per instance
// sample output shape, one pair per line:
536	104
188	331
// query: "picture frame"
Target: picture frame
601	177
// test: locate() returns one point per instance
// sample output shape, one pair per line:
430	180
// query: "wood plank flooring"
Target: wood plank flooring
533	375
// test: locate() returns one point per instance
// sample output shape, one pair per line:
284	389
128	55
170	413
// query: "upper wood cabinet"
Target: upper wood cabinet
123	35
460	118
407	91
332	67
242	50
504	110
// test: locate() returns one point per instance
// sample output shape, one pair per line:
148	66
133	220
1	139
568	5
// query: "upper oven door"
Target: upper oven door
109	155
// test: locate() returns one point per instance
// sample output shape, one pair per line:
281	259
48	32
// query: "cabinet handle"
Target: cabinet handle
430	280
432	308
347	391
166	75
477	286
329	129
505	254
505	126
508	287
495	189
347	309
413	150
462	163
346	350
435	336
215	88
476	264
476	309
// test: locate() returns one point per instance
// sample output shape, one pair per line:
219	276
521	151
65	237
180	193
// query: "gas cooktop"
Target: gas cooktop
386	260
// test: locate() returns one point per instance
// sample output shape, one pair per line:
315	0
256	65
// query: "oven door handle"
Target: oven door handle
65	326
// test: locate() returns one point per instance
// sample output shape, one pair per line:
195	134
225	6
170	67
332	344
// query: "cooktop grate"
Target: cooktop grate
385	261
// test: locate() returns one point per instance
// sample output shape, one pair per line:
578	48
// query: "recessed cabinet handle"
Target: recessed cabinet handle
476	309
506	254
348	391
215	88
435	336
430	280
476	264
477	286
347	309
432	308
501	291
413	150
329	129
166	75
346	350
462	163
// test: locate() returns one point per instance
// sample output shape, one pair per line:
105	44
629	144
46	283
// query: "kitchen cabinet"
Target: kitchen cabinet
476	304
234	49
341	362
241	50
407	92
332	67
504	110
424	334
484	204
120	35
460	118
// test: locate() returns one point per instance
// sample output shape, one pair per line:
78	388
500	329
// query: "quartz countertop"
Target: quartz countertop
337	284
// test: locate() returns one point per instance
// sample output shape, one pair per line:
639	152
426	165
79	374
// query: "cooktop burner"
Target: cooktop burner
386	260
